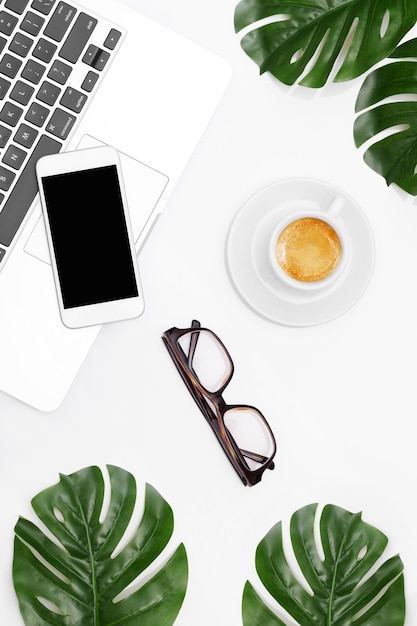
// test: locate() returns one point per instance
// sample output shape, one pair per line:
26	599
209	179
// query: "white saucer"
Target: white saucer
249	265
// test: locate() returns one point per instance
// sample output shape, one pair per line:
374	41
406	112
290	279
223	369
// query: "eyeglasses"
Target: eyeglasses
206	368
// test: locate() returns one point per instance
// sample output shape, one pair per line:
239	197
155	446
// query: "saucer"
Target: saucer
249	267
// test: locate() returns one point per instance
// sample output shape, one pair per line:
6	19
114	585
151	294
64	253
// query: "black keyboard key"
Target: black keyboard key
24	193
3	42
10	114
2	251
44	50
59	72
43	6
37	114
18	6
73	99
14	157
32	23
7	23
33	71
48	93
21	92
60	124
9	65
4	135
96	57
26	135
90	81
4	87
60	21
6	179
21	44
112	39
78	37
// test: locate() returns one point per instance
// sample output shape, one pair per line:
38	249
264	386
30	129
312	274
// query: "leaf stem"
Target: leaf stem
96	615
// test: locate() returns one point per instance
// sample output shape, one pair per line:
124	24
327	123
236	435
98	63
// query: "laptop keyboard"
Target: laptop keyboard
53	56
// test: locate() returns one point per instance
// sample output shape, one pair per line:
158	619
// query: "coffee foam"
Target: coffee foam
308	249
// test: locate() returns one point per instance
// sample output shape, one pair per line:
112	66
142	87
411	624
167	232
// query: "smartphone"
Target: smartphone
90	237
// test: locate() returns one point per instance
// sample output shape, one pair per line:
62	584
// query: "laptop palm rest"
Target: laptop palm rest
144	187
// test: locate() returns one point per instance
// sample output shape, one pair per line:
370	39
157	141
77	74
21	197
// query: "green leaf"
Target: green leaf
393	154
290	38
345	586
72	572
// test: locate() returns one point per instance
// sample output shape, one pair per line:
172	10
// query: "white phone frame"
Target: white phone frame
101	313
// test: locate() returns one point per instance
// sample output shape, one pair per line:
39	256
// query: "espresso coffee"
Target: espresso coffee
308	249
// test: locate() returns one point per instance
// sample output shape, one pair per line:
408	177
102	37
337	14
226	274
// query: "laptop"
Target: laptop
74	76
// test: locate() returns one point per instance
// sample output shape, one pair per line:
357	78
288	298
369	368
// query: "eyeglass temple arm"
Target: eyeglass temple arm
259	458
193	342
195	393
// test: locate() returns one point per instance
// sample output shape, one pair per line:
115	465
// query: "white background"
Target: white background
340	397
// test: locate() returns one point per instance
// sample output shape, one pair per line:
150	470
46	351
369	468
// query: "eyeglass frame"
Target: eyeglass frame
200	394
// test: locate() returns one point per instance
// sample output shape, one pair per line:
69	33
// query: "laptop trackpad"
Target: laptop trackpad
144	187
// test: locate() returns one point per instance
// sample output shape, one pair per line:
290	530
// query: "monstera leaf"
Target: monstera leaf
80	572
340	588
391	126
289	38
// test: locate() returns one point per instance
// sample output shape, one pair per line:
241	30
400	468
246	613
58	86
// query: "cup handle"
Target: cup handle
336	205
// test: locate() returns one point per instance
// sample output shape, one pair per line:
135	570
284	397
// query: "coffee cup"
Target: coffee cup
309	249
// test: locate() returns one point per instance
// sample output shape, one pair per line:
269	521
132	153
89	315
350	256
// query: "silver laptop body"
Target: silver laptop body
154	100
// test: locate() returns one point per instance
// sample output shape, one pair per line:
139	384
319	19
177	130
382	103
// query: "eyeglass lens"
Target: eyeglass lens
248	429
209	361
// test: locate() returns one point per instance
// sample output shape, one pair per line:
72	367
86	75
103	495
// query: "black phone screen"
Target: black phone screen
89	236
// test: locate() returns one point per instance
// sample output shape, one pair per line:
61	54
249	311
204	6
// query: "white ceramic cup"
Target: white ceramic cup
330	215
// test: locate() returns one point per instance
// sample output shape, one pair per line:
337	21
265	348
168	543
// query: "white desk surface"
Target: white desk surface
340	397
